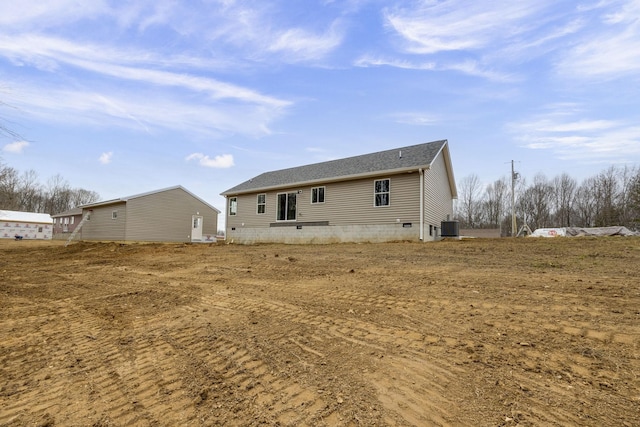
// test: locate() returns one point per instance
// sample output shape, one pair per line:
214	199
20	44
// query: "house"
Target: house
168	215
399	194
25	225
66	222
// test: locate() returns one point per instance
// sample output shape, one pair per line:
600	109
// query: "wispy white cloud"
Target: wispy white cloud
16	147
298	44
144	110
610	48
416	118
223	161
48	53
573	138
378	61
50	13
106	157
468	67
460	25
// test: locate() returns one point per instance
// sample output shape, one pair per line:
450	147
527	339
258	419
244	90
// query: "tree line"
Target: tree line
609	198
24	192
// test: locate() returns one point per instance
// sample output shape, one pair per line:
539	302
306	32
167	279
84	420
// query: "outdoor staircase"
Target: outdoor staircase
75	230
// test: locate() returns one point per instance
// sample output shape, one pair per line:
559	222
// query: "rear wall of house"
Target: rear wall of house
348	210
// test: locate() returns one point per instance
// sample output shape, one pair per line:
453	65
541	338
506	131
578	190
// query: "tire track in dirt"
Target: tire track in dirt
32	395
234	377
418	391
584	329
88	356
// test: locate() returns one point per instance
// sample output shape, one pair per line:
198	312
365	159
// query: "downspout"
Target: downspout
421	204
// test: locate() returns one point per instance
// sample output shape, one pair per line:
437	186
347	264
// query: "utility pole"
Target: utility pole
514	177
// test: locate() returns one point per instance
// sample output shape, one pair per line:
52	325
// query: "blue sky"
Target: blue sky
127	97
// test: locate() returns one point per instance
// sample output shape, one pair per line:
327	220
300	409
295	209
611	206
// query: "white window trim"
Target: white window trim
386	192
324	195
231	201
114	214
258	204
286	210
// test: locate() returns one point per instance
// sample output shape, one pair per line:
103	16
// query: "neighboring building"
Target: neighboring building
399	194
66	222
168	215
25	225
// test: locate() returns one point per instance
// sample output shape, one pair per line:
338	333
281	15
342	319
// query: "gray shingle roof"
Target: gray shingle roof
397	159
148	193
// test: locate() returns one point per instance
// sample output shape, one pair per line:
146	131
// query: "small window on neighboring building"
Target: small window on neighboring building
233	205
39	229
73	218
114	214
262	203
66	220
381	192
317	195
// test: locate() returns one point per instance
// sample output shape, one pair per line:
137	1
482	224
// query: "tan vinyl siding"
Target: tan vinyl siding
437	193
102	227
346	203
167	216
164	216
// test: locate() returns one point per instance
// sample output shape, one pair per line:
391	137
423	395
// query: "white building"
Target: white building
25	225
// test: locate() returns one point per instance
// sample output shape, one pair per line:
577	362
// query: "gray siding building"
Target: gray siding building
168	215
399	194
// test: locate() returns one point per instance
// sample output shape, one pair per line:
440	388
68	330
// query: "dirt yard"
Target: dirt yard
528	332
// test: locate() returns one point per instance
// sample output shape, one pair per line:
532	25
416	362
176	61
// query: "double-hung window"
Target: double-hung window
286	207
233	206
262	203
317	195
382	192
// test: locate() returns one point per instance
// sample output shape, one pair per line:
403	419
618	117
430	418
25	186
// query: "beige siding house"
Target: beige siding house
399	194
168	215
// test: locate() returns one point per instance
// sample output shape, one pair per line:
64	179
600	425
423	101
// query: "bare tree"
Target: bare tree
535	202
469	202
30	192
564	188
80	196
57	194
496	201
634	202
606	194
585	204
9	184
626	212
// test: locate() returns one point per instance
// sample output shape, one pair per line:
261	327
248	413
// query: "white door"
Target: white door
196	228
